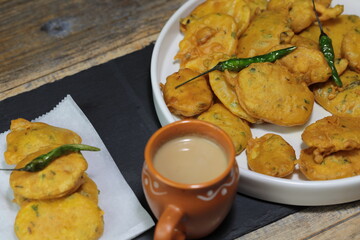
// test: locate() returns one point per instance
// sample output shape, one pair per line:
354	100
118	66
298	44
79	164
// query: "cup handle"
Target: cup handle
166	226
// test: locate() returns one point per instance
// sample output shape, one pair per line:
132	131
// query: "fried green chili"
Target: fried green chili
237	64
326	47
40	162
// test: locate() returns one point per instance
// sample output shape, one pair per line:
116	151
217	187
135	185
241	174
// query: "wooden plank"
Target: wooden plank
45	40
314	223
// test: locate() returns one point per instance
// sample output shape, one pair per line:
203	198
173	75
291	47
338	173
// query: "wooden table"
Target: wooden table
45	40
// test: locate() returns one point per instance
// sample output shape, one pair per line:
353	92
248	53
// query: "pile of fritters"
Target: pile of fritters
281	93
334	148
60	201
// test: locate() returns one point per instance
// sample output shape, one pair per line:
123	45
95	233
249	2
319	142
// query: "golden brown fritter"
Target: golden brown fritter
190	99
28	137
61	177
270	155
227	96
335	29
266	30
235	127
301	13
345	101
300	41
238	9
210	34
308	65
350	48
332	134
269	92
71	217
337	165
88	189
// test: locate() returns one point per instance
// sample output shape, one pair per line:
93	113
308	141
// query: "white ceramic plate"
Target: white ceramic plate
295	190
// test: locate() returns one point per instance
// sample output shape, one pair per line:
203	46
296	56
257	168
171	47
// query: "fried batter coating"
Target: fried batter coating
257	6
238	130
337	165
335	29
213	33
268	29
309	65
350	48
270	155
343	102
332	134
57	219
227	96
238	9
300	41
88	189
61	177
301	12
28	137
190	99
264	89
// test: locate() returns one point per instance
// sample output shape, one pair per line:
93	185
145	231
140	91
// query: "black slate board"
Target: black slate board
117	99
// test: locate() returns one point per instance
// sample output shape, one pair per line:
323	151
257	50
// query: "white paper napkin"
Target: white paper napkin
124	217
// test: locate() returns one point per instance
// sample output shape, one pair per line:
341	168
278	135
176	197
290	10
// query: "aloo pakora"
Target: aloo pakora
337	165
332	134
266	30
62	177
71	217
88	189
210	34
227	96
308	65
350	48
267	88
28	137
335	29
190	99
238	9
238	130
301	13
343	102
271	155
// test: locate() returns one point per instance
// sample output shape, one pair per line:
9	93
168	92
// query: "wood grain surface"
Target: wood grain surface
45	40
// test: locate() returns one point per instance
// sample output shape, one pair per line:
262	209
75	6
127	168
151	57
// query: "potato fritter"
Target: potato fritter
72	217
210	34
227	96
238	9
301	13
266	30
267	88
61	177
337	165
88	188
350	48
309	65
343	102
27	137
270	155
235	127
332	134
335	29
190	99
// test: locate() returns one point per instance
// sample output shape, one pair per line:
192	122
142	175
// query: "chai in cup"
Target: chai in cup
189	178
190	159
